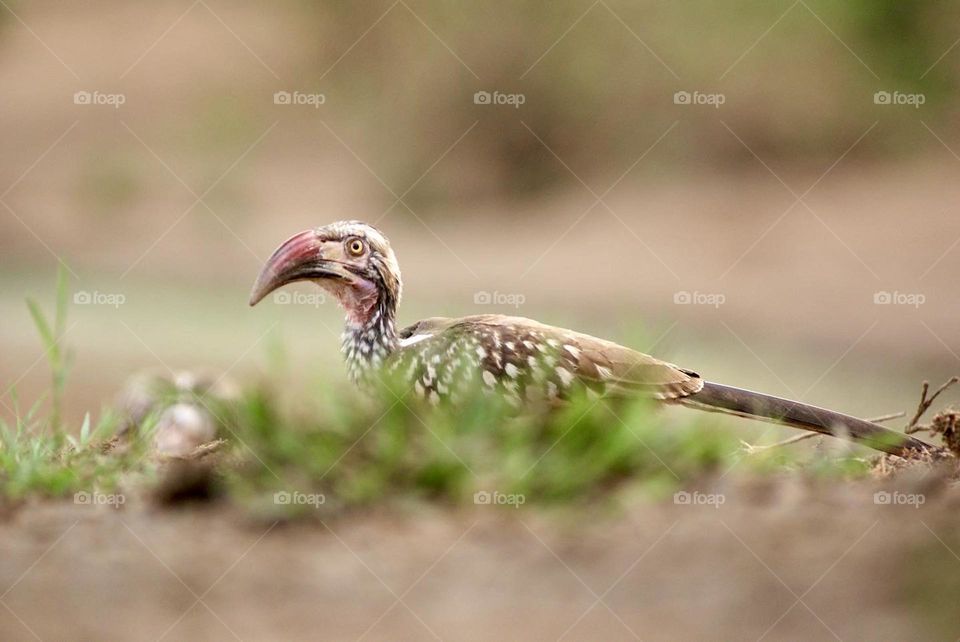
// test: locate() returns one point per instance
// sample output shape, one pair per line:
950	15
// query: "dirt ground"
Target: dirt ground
777	560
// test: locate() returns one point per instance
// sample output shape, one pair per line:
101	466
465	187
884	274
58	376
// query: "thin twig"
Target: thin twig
754	449
892	415
925	403
199	452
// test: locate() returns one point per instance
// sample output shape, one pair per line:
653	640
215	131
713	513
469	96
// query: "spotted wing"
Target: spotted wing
524	359
438	358
603	365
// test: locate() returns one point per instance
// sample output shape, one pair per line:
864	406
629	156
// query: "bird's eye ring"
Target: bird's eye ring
355	247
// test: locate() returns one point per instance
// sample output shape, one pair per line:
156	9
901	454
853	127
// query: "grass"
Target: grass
50	336
354	452
38	454
332	449
35	462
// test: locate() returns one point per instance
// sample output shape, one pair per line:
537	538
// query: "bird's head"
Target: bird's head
350	259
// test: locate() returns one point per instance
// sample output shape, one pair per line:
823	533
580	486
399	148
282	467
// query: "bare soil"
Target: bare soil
777	560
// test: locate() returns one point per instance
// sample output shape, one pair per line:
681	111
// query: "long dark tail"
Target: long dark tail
720	398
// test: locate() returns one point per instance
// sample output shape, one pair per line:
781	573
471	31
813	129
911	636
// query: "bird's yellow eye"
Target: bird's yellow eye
355	247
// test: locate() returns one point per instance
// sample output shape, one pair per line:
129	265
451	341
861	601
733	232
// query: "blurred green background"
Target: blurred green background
598	199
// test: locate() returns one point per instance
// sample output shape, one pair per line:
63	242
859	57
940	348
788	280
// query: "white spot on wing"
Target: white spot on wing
417	338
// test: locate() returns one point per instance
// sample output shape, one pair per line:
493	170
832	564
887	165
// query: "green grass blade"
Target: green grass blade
60	314
40	321
85	430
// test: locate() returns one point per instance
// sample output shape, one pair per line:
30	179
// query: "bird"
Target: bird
444	359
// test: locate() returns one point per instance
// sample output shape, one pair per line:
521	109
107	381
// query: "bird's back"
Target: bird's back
445	358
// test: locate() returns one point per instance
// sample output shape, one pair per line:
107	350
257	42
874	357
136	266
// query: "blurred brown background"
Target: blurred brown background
781	194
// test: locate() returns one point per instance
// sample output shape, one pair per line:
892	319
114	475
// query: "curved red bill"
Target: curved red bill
290	262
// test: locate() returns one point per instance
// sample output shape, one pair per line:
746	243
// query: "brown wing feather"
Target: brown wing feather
512	353
620	369
632	371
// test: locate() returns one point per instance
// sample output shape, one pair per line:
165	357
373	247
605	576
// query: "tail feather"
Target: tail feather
755	405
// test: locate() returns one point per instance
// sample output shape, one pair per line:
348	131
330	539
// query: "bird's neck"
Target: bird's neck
369	338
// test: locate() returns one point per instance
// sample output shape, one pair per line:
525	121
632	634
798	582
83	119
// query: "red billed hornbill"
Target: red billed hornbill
443	358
